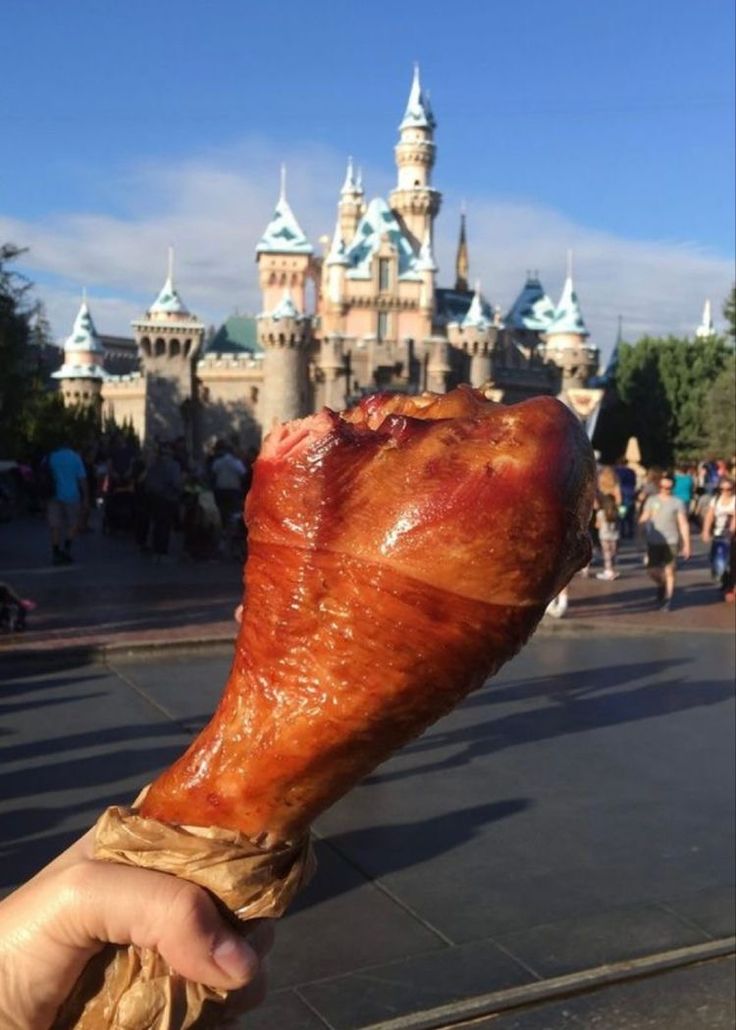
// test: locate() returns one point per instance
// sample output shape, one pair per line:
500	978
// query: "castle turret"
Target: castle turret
352	203
169	339
706	327
82	374
284	333
284	256
566	338
474	335
414	200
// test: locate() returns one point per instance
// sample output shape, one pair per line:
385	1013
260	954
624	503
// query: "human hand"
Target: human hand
53	925
686	552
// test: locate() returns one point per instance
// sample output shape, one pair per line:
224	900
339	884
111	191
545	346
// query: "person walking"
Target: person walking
68	495
163	487
228	479
667	528
607	523
718	531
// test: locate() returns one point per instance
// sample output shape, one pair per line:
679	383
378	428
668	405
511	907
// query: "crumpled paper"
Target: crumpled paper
135	989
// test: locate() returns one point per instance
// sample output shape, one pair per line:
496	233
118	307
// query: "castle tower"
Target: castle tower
351	205
169	339
333	282
474	336
461	261
706	328
414	200
566	338
284	333
82	374
284	256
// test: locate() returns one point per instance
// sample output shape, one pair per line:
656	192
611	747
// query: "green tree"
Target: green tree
720	412
665	384
729	313
15	317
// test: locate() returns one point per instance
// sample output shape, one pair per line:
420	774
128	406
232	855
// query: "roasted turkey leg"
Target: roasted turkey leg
400	552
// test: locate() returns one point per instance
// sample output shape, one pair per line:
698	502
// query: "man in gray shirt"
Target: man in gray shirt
667	529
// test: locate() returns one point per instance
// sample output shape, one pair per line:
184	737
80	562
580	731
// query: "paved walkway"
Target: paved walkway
557	851
114	598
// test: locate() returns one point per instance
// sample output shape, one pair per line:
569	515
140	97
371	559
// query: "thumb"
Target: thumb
126	905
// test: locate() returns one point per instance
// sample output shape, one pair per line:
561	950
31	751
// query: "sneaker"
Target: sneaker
660	596
666	605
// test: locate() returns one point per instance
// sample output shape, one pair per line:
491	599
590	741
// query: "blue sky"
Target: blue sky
599	126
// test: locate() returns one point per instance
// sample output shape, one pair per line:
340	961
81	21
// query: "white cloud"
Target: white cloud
213	209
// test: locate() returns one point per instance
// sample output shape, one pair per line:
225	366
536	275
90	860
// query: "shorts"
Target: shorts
659	555
63	515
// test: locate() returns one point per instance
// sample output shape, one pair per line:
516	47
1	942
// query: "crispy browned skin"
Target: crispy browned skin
399	554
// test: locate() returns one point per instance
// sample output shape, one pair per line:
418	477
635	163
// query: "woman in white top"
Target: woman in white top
718	530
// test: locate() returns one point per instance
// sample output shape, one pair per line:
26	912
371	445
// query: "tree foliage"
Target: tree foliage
665	384
729	313
15	317
33	417
720	411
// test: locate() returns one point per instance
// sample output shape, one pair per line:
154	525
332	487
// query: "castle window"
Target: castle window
146	346
187	347
175	348
159	347
382	326
384	273
254	394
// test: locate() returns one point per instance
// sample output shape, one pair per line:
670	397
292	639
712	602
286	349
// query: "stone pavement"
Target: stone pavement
556	853
114	598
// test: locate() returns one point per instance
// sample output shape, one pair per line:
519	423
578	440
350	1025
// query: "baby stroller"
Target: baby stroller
13	610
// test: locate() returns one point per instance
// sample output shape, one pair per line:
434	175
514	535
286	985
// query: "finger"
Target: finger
127	905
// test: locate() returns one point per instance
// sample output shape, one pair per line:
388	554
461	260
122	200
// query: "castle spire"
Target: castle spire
568	318
282	185
475	316
461	261
351	183
706	327
418	113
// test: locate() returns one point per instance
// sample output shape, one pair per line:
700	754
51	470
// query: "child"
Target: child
607	524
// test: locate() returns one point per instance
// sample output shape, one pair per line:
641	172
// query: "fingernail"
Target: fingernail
236	958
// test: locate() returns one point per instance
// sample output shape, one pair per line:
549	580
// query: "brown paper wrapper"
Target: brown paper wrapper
135	989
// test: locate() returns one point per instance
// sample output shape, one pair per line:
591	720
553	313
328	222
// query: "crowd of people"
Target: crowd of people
661	510
147	494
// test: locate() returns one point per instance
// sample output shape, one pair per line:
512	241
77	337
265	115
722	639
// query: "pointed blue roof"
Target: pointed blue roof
568	317
286	308
283	233
168	301
379	220
337	254
532	309
83	336
476	316
418	112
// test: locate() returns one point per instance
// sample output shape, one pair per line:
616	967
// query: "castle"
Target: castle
379	321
